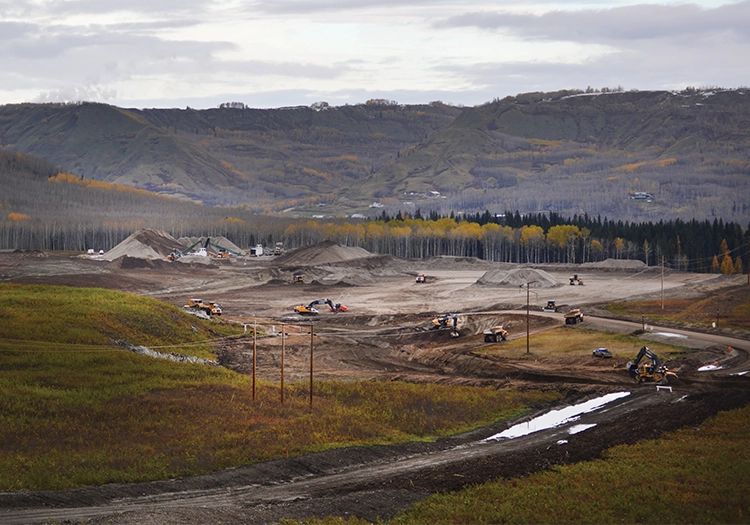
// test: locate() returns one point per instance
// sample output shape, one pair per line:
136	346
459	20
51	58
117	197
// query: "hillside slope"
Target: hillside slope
221	156
569	152
587	153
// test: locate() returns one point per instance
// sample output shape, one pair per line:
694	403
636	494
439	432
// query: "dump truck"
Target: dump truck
279	248
421	278
574	316
492	335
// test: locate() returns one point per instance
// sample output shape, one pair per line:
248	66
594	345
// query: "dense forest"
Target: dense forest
44	209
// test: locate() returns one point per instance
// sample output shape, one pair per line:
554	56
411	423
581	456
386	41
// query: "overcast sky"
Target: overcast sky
275	53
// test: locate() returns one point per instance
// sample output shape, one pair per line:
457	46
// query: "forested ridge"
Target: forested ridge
44	209
571	152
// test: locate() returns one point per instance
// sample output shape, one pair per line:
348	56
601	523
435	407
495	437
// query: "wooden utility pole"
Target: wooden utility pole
662	282
282	363
255	362
528	286
312	336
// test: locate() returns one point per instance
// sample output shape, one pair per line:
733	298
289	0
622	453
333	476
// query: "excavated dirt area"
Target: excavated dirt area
387	334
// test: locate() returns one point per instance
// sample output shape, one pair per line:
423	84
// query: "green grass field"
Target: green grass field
730	307
564	342
77	410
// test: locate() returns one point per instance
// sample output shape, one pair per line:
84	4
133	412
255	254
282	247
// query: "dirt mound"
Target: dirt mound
132	263
326	252
617	264
517	277
145	244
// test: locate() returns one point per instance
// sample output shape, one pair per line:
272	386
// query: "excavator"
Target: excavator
209	309
652	372
446	321
311	310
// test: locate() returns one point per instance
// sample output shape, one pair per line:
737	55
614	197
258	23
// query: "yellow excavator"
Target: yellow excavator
651	371
209	309
446	321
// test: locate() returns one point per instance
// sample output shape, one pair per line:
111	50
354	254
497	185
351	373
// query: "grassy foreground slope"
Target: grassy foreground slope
76	410
695	475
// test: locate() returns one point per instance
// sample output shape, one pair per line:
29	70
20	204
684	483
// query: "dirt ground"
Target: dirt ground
387	334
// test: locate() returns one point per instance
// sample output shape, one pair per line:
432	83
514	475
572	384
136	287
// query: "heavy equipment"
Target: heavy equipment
421	278
298	278
223	252
336	308
575	279
491	335
550	307
279	248
574	316
446	321
310	309
176	254
653	371
209	309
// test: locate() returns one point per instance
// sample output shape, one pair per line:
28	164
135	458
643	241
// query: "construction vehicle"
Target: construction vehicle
491	335
652	371
336	308
446	321
575	279
224	253
308	309
279	248
209	309
574	316
421	278
176	254
298	278
550	307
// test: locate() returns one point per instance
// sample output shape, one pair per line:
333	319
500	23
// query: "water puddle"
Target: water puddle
669	334
555	418
709	368
575	429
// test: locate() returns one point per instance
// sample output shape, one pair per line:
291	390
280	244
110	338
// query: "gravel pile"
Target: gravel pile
517	277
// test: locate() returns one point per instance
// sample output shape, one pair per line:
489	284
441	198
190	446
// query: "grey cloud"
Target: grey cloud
638	22
151	7
318	6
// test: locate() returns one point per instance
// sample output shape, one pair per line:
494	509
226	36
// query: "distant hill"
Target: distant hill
263	158
625	155
686	154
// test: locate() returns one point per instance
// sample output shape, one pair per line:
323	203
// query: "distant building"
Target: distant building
642	196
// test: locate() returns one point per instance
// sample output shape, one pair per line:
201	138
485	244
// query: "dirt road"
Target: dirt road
386	334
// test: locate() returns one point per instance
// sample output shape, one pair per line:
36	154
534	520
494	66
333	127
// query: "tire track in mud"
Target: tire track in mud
303	479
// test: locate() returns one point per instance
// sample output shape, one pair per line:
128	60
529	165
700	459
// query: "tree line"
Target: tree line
42	209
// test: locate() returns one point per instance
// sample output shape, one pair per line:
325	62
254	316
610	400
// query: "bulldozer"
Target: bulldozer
491	335
652	371
298	278
209	309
